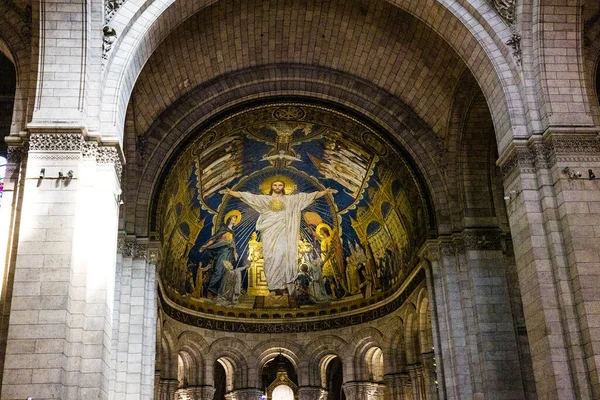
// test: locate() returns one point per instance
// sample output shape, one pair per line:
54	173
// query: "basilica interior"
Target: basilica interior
299	200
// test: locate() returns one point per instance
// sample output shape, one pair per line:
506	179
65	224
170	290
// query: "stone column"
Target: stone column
167	388
406	386
59	334
364	390
415	382
10	213
394	384
553	215
312	393
435	323
429	375
135	318
480	356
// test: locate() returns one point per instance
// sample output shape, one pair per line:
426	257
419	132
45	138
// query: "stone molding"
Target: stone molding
74	143
542	153
56	142
453	245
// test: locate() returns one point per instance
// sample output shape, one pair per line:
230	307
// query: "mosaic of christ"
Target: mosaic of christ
288	206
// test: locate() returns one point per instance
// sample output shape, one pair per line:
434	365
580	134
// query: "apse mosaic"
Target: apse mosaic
288	206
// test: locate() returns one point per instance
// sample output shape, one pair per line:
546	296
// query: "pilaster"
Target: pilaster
475	319
395	387
135	318
553	213
58	342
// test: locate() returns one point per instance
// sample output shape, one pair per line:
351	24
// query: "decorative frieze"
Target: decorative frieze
16	154
541	153
483	241
74	143
56	142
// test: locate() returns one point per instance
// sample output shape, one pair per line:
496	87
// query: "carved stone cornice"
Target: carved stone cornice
76	143
543	152
63	142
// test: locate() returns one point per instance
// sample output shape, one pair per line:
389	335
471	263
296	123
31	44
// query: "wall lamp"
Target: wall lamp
570	174
591	174
42	173
118	197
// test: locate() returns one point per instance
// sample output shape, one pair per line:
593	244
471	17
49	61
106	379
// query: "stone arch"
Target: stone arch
424	322
174	127
591	62
231	353
464	28
363	345
411	336
270	349
15	43
318	353
168	344
395	358
191	347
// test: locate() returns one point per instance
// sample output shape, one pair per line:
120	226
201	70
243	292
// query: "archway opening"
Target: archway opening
333	378
374	361
220	376
277	372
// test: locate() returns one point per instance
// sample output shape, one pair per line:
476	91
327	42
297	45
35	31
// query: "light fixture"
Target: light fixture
42	173
118	196
60	175
591	174
70	174
570	174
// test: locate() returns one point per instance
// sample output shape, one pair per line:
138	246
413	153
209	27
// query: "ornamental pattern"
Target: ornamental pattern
506	9
56	142
537	155
110	9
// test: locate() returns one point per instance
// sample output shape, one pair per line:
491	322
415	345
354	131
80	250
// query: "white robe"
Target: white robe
279	234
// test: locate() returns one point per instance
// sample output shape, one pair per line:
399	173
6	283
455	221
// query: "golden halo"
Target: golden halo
319	227
233	213
290	185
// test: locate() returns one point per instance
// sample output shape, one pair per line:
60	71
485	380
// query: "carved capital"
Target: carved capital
110	155
16	154
483	240
364	390
312	393
131	249
244	394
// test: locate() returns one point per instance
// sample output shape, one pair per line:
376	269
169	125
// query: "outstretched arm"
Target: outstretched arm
324	192
230	192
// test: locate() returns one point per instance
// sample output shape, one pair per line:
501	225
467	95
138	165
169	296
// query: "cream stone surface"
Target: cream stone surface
495	104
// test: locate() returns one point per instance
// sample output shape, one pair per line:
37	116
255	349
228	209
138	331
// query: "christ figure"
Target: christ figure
279	224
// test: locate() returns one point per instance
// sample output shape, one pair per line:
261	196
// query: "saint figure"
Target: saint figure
279	224
221	249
